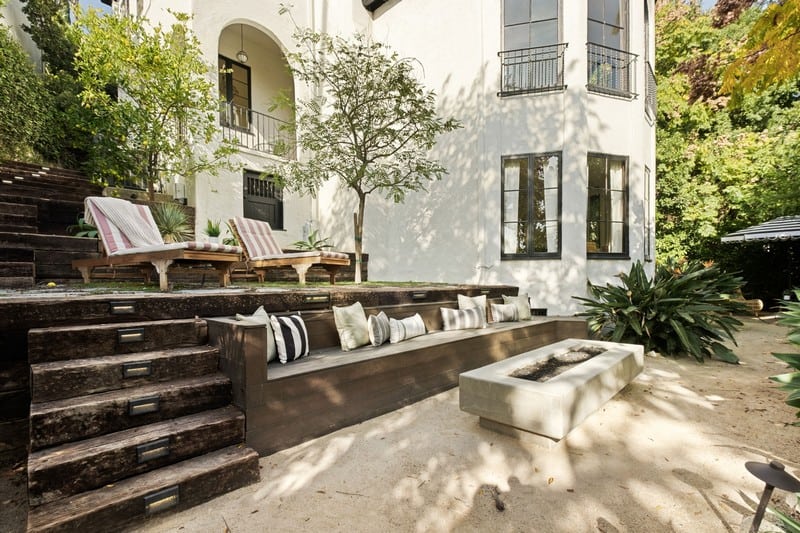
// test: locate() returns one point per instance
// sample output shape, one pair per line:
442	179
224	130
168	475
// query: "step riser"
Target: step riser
17	270
109	460
60	344
60	380
197	481
52	426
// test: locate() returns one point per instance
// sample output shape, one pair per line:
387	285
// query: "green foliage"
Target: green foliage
212	228
370	123
82	229
48	23
165	104
790	381
22	99
312	242
680	311
789	523
231	240
172	222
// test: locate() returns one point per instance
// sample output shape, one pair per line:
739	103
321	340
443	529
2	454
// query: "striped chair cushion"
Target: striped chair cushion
462	318
505	312
291	337
121	225
378	326
256	238
407	328
470	302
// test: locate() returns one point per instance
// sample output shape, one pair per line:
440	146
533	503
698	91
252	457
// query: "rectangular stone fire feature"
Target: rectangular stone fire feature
551	409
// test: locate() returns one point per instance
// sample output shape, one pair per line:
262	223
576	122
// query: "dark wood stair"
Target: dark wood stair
127	420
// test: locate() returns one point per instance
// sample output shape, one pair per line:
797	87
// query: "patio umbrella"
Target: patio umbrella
778	229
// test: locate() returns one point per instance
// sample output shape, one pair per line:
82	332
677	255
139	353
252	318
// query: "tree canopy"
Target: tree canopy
368	122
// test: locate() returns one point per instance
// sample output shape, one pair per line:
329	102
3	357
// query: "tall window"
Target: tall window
648	217
531	189
234	88
532	56
610	65
263	199
607	208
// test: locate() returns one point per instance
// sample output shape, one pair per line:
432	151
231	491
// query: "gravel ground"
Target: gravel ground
666	454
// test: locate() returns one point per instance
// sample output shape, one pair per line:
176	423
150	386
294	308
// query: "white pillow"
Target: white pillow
378	327
462	318
291	337
470	302
505	312
522	303
261	317
351	323
407	328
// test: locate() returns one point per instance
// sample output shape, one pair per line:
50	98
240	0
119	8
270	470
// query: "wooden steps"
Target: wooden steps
120	412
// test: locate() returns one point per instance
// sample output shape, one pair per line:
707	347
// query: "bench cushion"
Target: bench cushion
378	326
462	318
505	312
291	337
351	323
406	328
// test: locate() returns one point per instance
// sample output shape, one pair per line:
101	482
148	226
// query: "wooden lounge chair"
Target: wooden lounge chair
261	251
129	236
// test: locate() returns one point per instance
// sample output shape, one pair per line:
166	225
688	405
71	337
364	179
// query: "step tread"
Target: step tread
79	377
199	479
72	468
78	418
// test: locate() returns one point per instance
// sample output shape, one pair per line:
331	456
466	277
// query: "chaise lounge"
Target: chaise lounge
261	251
129	236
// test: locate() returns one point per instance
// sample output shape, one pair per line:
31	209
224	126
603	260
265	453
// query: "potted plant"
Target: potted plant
212	230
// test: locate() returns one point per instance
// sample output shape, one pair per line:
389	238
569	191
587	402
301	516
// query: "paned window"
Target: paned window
531	206
263	199
530	23
607	207
234	89
607	20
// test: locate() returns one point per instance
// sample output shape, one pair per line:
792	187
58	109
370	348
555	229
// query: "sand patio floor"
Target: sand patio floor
666	454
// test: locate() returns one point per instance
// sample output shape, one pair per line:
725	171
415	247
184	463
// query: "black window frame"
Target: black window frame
624	6
625	253
268	189
530	221
225	66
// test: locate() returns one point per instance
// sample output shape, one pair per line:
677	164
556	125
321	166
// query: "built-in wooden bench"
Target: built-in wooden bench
286	404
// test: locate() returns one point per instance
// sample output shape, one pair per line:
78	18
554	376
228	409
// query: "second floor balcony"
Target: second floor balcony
610	71
256	131
532	70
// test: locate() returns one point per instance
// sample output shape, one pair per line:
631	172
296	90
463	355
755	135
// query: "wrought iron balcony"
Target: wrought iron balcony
532	70
256	131
611	71
650	89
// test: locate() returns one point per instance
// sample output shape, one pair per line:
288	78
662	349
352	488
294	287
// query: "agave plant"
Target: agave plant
172	222
82	228
790	381
682	310
231	240
313	242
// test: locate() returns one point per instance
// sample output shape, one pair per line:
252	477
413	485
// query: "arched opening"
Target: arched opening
253	73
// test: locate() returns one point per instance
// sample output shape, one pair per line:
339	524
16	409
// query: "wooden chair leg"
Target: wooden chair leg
332	271
162	265
301	272
86	273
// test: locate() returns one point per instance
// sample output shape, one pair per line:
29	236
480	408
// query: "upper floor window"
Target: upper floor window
607	206
234	89
610	65
532	58
531	206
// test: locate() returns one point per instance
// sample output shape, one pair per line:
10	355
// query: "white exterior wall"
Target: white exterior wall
453	232
15	19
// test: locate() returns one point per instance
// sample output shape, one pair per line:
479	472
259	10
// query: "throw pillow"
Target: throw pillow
291	337
522	303
351	323
407	328
470	302
260	316
462	318
505	312
378	326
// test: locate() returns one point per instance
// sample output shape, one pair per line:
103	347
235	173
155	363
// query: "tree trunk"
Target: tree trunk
358	230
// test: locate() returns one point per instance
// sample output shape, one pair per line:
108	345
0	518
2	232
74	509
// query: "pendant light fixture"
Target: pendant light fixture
241	55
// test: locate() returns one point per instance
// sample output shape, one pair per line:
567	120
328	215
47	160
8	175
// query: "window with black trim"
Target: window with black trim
263	199
234	89
531	206
610	65
607	207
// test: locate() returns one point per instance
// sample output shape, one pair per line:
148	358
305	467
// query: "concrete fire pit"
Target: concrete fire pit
549	409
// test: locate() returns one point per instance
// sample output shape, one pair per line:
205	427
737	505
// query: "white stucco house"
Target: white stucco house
551	179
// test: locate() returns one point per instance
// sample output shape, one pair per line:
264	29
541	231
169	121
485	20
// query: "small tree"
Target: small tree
166	104
369	123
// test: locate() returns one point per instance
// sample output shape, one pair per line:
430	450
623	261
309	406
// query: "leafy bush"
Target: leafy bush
172	222
82	228
790	381
682	310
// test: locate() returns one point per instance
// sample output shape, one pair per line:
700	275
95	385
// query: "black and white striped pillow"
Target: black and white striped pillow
378	326
505	312
291	337
462	318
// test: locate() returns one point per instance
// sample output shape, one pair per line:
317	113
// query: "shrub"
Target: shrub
680	311
172	222
790	381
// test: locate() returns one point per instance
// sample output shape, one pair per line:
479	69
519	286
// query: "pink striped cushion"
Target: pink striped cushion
335	255
114	241
256	237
